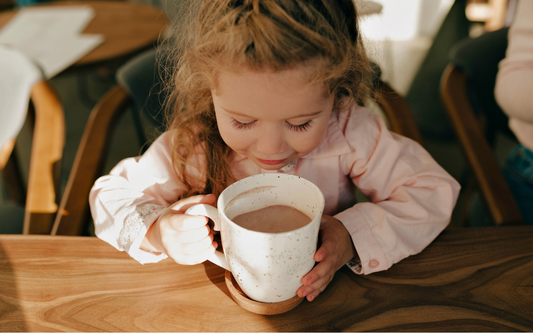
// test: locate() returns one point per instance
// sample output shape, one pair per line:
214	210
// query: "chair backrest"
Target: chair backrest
396	111
392	107
141	78
138	89
47	117
72	215
467	90
478	58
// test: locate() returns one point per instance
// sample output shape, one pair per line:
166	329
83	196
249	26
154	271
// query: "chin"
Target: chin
270	167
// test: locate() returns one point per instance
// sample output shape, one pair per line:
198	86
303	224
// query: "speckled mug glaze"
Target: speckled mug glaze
267	266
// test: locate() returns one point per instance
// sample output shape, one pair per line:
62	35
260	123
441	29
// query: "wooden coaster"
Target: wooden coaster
259	307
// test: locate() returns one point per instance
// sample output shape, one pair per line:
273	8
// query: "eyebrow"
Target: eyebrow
298	116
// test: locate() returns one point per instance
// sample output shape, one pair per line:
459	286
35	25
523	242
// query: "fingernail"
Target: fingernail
310	298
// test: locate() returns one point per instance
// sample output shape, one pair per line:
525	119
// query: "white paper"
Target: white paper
51	36
55	55
18	75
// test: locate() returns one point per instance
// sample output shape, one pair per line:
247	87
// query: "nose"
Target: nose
271	141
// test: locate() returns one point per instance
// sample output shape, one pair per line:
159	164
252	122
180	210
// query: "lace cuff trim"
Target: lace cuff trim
134	222
355	265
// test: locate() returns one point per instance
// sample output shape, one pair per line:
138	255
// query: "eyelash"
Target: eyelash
297	128
240	126
300	128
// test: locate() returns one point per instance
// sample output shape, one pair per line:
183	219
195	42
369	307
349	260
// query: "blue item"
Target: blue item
518	170
22	3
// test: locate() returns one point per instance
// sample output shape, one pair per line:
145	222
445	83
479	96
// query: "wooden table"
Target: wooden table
466	280
127	27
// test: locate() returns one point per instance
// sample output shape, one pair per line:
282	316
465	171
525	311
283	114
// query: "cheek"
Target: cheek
315	136
233	138
305	143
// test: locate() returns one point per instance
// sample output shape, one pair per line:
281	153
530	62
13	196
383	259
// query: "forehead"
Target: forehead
287	90
295	76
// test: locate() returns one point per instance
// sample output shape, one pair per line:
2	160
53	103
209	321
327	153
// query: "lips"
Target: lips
271	162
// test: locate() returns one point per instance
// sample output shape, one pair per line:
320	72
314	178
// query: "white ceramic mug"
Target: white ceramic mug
267	266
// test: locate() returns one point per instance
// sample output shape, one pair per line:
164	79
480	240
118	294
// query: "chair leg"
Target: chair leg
469	190
14	183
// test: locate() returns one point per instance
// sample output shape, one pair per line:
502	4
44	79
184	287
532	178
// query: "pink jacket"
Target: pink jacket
411	197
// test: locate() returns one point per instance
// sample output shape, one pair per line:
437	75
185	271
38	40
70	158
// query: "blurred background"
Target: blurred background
411	40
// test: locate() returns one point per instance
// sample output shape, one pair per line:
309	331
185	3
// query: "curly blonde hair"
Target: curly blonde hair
274	35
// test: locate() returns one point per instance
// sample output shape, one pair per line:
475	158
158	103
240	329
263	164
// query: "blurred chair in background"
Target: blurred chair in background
141	78
29	209
467	90
139	88
393	108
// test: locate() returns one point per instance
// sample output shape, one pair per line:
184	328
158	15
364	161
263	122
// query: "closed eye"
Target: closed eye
238	125
300	128
297	128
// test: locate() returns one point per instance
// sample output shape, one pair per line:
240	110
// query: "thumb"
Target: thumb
182	205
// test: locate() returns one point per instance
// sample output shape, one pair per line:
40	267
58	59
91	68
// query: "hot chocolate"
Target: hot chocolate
273	219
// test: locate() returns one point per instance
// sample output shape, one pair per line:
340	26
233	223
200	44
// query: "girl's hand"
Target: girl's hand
186	239
336	249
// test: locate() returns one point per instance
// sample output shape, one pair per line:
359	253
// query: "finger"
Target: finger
196	248
316	288
198	258
193	235
320	285
184	204
182	222
313	295
318	272
328	247
321	253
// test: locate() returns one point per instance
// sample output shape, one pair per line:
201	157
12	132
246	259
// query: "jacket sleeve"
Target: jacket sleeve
125	203
514	82
411	197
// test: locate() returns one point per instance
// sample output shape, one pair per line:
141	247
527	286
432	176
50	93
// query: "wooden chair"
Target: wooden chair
74	207
467	92
138	89
73	210
39	206
396	111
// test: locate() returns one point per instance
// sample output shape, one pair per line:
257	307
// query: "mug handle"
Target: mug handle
211	212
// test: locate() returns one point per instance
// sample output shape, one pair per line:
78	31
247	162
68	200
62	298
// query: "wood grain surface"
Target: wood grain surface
126	26
478	279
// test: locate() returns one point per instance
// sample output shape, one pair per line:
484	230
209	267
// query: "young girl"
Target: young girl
272	86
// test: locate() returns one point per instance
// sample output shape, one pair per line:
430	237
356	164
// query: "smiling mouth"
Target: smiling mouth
271	162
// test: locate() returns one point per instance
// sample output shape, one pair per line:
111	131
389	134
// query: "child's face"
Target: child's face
271	118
